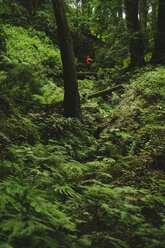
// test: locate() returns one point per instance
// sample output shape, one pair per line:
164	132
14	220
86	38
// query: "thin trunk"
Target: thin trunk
143	11
136	42
71	95
2	41
2	48
2	44
32	6
154	16
159	49
77	22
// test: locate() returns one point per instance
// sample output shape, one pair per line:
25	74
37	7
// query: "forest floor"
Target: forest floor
97	183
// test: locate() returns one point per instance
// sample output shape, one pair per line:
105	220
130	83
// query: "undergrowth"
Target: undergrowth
59	185
24	67
48	199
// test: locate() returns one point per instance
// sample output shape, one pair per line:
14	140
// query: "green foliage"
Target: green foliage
59	186
106	207
46	196
34	47
70	132
17	129
151	139
28	219
31	192
69	189
14	13
115	142
29	55
141	112
85	86
50	93
151	86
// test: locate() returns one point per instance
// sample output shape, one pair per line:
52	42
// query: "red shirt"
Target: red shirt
89	60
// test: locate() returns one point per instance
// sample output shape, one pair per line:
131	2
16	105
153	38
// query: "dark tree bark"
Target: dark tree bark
154	19
2	42
31	6
158	56
71	95
143	12
136	41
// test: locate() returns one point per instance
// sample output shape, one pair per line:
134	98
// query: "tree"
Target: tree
143	12
2	43
71	95
153	4
136	41
158	56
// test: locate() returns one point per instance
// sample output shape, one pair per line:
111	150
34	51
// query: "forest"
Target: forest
82	124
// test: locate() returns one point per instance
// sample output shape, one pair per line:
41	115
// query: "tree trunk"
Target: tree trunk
136	42
154	16
32	6
158	56
71	95
2	43
143	11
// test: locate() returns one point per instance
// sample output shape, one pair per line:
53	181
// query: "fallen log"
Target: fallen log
80	75
87	74
103	126
104	92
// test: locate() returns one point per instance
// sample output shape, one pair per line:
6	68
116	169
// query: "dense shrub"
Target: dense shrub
30	54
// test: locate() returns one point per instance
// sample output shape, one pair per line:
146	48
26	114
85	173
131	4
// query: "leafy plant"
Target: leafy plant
29	53
29	219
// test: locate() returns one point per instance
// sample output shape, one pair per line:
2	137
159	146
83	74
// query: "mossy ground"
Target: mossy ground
62	187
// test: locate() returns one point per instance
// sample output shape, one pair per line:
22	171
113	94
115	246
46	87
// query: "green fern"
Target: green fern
27	211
